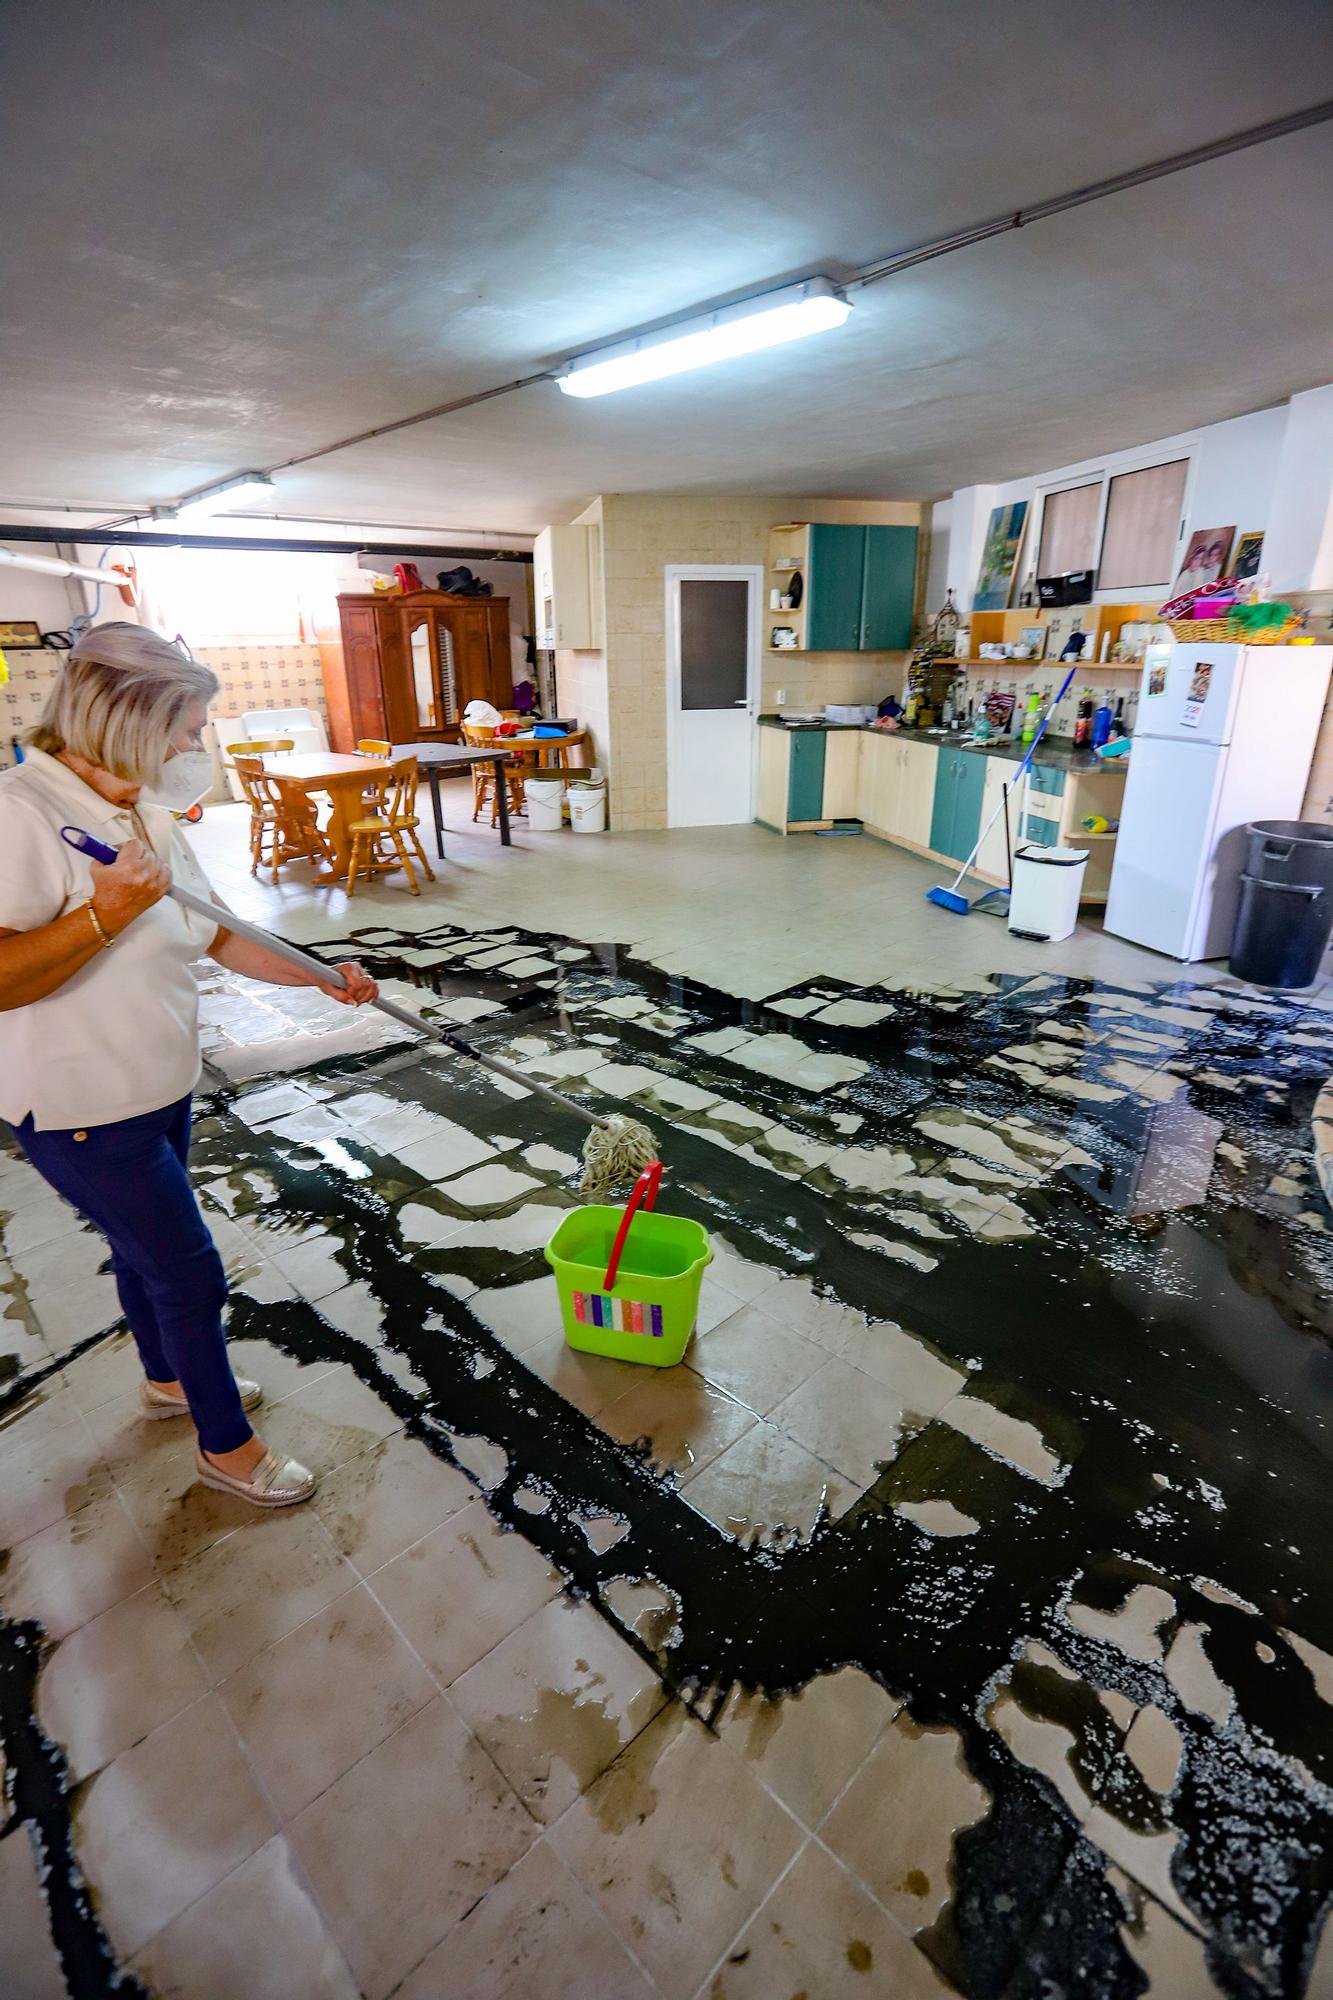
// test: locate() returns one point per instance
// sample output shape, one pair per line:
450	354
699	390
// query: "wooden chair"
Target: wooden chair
277	833
382	837
374	746
484	776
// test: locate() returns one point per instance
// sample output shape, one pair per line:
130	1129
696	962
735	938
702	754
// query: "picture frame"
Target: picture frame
1205	559
18	635
1245	563
999	557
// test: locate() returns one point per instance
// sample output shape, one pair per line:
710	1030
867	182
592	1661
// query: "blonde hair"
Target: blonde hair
119	699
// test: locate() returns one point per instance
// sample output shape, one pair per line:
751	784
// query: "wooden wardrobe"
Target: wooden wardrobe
408	666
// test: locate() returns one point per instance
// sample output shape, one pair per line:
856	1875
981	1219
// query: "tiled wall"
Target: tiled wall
23	699
641	534
266	675
257	676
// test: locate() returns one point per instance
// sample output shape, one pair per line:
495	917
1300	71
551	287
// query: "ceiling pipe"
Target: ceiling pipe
57	566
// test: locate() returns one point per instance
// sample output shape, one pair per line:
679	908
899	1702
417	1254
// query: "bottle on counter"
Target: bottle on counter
1083	721
1102	723
1031	716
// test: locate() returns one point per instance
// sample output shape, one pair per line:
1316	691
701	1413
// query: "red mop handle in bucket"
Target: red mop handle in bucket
644	1194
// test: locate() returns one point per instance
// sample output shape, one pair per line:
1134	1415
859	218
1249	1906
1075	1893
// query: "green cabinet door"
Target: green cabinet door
805	776
889	589
947	775
835	585
955	820
967	803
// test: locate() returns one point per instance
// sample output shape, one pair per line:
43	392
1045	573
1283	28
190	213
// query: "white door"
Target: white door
712	655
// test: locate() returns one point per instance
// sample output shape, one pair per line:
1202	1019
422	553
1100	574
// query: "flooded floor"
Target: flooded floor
955	1619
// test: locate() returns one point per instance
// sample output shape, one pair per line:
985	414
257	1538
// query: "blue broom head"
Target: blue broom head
948	899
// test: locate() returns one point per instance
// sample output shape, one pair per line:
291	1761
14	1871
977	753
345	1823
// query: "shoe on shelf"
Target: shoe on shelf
275	1482
157	1403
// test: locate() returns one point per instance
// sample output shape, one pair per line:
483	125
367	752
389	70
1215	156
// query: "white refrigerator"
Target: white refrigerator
1224	735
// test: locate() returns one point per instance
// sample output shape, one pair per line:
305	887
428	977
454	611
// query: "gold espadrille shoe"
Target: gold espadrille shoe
275	1482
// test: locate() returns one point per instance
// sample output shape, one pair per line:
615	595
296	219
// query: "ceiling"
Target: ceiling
239	232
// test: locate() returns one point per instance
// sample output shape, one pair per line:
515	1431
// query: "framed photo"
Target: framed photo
1248	550
20	634
1205	559
999	558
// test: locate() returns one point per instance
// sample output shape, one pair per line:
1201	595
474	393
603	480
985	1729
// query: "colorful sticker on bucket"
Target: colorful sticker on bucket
621	1315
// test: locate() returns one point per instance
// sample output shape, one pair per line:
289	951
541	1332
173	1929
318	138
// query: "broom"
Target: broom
617	1149
952	898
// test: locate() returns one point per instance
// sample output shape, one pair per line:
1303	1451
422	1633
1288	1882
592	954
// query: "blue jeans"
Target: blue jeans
129	1179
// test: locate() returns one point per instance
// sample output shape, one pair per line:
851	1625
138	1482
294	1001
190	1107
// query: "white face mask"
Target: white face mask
187	777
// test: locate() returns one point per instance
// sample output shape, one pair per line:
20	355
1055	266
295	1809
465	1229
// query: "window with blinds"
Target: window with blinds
1069	530
1143	512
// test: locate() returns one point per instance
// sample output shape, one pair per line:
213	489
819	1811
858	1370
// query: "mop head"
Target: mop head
615	1153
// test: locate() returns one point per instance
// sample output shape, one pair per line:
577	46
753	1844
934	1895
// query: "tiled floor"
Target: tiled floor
956	1619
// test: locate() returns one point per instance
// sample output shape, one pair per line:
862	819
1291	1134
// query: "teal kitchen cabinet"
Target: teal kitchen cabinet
861	584
805	777
837	587
955	821
890	590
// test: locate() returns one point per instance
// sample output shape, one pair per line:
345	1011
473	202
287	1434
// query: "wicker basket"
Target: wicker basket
1214	631
1208	630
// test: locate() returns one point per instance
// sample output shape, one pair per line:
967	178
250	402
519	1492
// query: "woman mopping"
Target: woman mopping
99	1016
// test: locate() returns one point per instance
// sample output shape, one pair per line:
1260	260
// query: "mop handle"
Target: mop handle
644	1193
328	975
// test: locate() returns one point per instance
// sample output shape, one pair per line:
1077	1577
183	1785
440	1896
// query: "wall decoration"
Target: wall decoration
999	558
1248	550
1205	559
20	635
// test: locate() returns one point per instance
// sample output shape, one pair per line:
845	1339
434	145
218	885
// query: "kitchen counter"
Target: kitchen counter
1056	752
937	796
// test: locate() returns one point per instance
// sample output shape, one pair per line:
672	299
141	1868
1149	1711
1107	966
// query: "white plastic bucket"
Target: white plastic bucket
1047	884
544	798
587	808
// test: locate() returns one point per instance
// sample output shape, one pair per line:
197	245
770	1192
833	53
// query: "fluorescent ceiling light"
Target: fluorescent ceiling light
767	321
219	499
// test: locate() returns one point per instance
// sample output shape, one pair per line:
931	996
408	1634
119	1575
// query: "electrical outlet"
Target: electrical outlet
782	697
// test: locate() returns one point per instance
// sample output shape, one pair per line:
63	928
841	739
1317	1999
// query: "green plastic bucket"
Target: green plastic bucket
647	1314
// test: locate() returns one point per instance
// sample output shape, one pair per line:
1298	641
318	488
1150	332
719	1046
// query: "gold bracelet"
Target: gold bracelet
106	940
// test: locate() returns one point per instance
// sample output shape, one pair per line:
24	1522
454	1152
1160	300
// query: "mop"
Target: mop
617	1149
952	898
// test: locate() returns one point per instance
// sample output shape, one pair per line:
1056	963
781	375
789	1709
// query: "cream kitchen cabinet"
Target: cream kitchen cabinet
567	587
842	773
916	802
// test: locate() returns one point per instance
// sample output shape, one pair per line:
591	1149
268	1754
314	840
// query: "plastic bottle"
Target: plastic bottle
1101	725
1083	721
1117	720
1031	717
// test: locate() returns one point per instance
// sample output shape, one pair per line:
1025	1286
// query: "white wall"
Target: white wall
1234	481
1298	553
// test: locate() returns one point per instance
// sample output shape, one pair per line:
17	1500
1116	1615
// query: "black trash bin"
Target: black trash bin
1285	914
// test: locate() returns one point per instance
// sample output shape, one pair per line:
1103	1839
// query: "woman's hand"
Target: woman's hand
359	989
124	888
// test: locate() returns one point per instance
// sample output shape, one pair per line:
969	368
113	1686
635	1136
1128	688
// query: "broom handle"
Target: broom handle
328	975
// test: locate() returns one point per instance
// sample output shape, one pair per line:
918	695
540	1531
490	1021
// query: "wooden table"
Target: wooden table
432	758
541	749
340	774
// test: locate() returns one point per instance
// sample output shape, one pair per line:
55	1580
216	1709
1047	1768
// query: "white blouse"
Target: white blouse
122	1036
